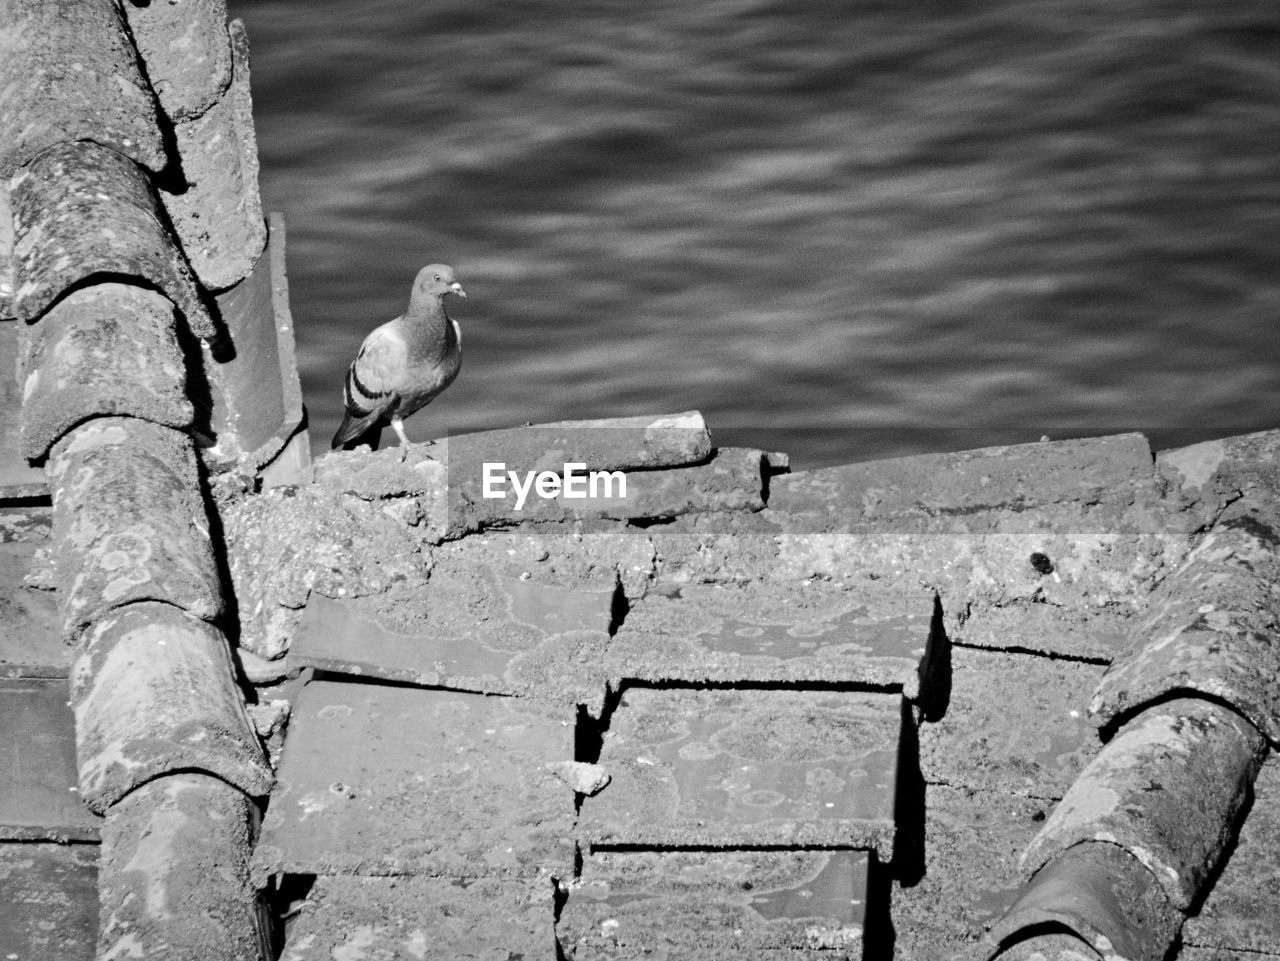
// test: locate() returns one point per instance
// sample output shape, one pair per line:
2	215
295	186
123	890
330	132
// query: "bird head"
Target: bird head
437	280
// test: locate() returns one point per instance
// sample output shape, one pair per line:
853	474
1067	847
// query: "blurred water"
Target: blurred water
839	229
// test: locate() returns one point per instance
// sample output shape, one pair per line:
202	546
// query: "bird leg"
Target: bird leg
397	425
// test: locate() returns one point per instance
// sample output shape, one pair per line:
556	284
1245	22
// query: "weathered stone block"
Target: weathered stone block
38	796
1167	789
649	904
1103	894
68	72
1210	628
186	51
82	210
1012	478
1014	723
109	349
30	628
423	917
400	781
218	218
50	894
1241	909
1096	634
748	767
130	522
154	692
173	874
771	632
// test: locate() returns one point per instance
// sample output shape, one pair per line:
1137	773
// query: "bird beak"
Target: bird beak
457	289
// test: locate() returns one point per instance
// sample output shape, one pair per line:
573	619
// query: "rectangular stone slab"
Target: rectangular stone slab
50	897
1015	723
30	626
423	917
380	780
17	477
1045	628
778	633
748	767
39	798
638	904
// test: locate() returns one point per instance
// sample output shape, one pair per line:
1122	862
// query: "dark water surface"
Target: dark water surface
840	229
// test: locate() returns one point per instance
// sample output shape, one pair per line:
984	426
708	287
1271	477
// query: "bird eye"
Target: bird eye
437	276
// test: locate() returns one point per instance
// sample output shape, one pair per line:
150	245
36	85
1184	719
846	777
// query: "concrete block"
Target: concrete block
1167	789
1241	910
50	894
1207	477
288	541
421	917
727	547
255	396
68	72
80	211
39	799
1105	896
401	781
1210	628
1014	723
733	480
30	627
186	52
748	767
1050	947
1012	478
130	522
968	876
218	217
7	311
154	692
105	350
771	632
173	874
646	904
1076	632
18	479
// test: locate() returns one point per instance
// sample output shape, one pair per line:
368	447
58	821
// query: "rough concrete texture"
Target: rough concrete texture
186	52
748	767
39	799
989	479
109	349
50	898
6	257
775	632
967	874
1223	954
1242	909
289	541
255	397
68	72
389	781
173	875
423	917
81	211
1050	947
649	904
1211	626
1105	896
30	626
1207	477
1099	636
130	522
18	477
1015	723
529	632
218	217
1167	788
154	692
733	480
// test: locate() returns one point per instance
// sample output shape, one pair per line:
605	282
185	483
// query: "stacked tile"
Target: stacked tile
1193	703
107	296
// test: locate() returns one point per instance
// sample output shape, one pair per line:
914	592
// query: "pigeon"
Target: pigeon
405	363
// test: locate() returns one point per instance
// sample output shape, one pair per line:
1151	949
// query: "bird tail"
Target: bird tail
355	427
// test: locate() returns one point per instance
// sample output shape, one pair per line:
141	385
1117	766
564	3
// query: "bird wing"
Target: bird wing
373	381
